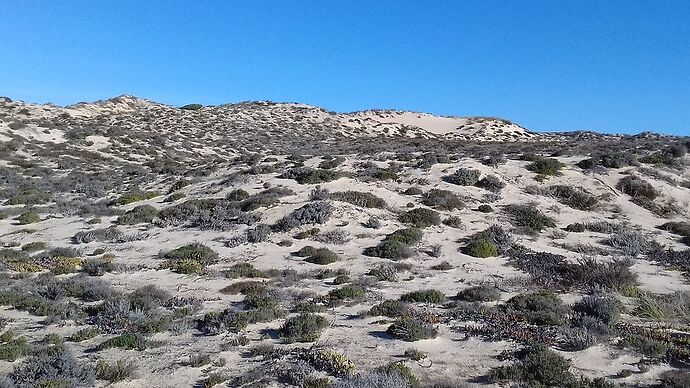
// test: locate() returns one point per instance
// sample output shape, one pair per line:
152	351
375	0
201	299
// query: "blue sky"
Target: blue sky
612	66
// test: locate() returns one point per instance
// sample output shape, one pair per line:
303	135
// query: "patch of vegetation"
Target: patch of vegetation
311	213
321	256
637	187
424	296
303	328
357	198
463	177
545	167
442	200
396	246
421	217
480	293
528	218
28	217
190	259
541	307
139	214
134	196
308	175
192	107
411	329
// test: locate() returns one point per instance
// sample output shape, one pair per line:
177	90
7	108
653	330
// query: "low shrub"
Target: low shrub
191	258
546	167
421	217
28	217
674	379
637	187
140	214
424	296
411	329
384	272
311	213
463	177
396	246
365	200
303	328
571	196
480	293
121	370
491	183
485	208
237	195
605	308
321	256
51	367
134	196
347	292
390	308
481	248
308	175
528	218
453	222
442	200
127	341
541	307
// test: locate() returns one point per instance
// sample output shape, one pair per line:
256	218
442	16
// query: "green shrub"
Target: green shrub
646	346
537	367
237	195
396	246
135	196
402	370
303	328
34	246
424	296
192	107
442	200
528	218
347	292
119	371
190	259
12	349
126	341
390	308
541	307
453	222
84	334
421	218
411	329
308	175
480	293
365	200
463	177
322	256
139	214
637	187
485	208
546	166
481	248
28	217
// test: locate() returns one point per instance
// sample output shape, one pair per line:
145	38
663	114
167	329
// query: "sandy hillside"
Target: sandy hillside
269	244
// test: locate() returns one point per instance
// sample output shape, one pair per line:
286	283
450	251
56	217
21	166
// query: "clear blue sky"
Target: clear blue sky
613	66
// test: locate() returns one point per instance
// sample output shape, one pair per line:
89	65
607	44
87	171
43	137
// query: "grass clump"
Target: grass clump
127	341
424	296
28	217
637	188
421	218
303	328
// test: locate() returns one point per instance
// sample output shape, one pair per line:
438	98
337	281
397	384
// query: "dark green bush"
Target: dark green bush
308	175
191	258
546	166
28	217
485	208
396	246
237	195
140	214
674	379
303	328
390	308
605	308
192	107
481	248
424	296
463	177
541	307
347	292
357	198
442	200
528	218
421	217
411	329
480	293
